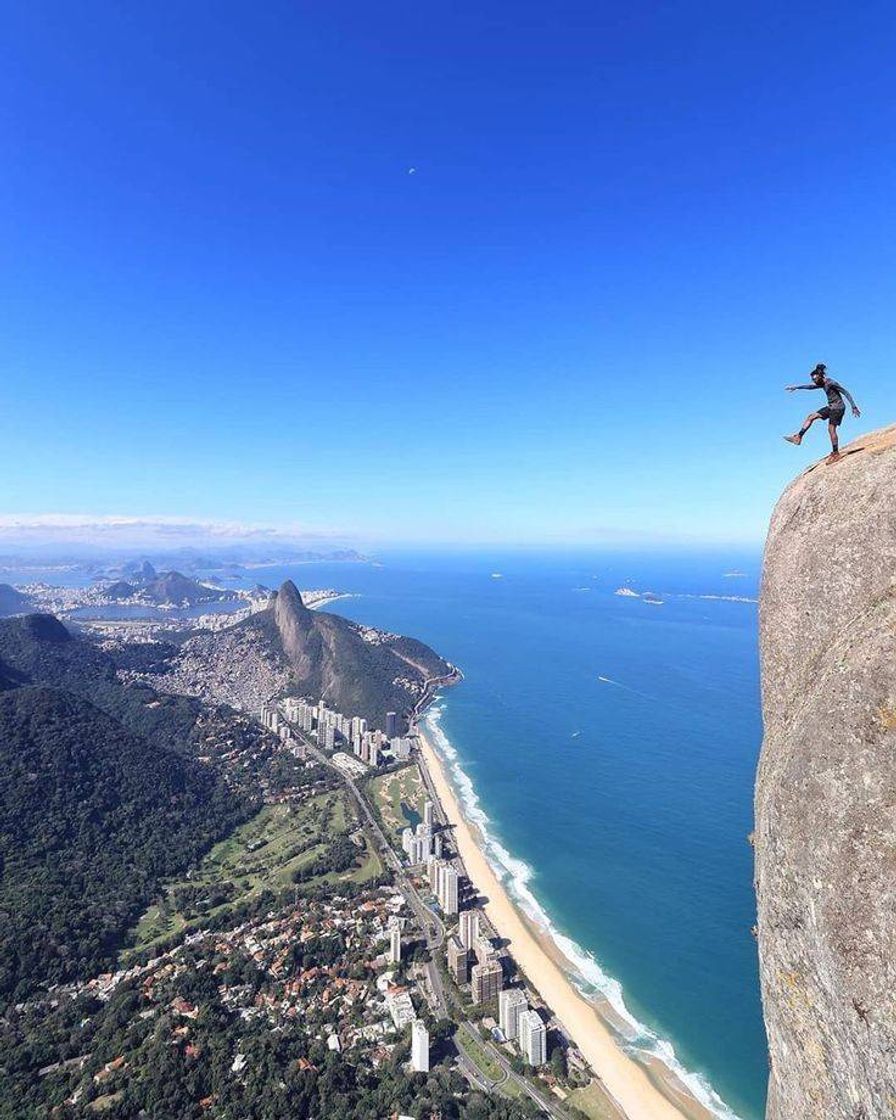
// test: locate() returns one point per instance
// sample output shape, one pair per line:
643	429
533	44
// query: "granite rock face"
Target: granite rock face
826	790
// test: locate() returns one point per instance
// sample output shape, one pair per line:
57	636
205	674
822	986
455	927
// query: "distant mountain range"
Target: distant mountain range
166	589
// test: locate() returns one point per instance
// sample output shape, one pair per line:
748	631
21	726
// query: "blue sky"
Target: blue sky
226	298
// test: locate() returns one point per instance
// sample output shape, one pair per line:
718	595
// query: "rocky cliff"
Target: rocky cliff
826	790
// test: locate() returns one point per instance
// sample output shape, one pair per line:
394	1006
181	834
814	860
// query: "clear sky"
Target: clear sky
226	296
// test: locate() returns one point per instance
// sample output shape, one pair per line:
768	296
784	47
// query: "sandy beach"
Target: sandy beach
632	1087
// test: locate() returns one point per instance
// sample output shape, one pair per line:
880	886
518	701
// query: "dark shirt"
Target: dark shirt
834	390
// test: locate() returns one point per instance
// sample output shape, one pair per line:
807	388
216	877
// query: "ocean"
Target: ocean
607	745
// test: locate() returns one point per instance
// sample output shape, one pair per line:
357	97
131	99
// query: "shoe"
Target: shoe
794	439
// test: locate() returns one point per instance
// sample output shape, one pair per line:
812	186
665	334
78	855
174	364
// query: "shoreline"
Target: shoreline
647	1090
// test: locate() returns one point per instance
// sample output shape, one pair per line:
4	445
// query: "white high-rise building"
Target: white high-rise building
511	1004
395	943
428	813
448	888
359	727
407	842
401	748
432	872
419	1047
437	844
424	833
469	928
533	1038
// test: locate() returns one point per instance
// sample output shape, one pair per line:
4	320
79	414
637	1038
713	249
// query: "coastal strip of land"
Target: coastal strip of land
639	1092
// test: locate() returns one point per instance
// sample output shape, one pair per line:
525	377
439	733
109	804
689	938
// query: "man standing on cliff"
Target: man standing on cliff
833	411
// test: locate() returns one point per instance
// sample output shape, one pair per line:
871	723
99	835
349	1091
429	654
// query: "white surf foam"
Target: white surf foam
624	687
585	972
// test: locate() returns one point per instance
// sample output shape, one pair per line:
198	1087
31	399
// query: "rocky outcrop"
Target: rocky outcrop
357	670
826	790
295	626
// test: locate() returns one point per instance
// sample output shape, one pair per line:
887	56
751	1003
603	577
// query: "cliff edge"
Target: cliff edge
826	790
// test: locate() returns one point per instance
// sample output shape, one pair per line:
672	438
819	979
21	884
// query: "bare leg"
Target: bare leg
797	437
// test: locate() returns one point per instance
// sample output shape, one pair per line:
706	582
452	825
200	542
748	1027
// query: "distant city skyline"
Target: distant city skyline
229	303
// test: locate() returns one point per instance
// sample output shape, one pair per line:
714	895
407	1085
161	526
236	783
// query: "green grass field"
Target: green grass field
260	855
594	1102
478	1054
399	797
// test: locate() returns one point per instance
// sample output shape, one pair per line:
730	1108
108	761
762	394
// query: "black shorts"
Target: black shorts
832	414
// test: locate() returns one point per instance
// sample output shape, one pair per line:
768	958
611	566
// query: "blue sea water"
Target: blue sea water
611	742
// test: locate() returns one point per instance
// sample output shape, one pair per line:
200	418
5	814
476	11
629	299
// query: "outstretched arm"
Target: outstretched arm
793	388
846	393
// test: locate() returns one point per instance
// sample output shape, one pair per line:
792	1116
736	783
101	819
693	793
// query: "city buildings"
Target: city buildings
330	726
469	928
484	949
419	1047
395	942
486	981
270	717
391	725
533	1038
429	814
401	1007
449	884
401	748
511	1004
458	961
417	845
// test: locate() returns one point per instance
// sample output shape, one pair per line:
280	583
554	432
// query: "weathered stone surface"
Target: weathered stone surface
826	790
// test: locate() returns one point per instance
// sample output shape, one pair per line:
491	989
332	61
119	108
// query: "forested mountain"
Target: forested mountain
92	817
99	799
38	650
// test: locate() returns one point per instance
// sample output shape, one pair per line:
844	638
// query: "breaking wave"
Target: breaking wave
585	972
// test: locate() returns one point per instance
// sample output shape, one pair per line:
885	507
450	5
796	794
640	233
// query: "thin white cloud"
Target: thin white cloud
128	531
